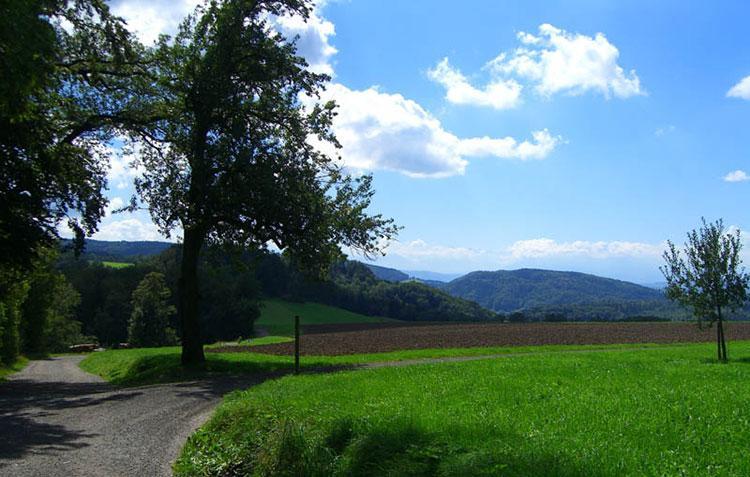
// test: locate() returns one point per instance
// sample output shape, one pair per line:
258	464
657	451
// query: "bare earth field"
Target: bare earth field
334	340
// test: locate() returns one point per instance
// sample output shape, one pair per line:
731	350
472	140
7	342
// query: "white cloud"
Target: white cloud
420	250
736	176
498	94
544	248
557	61
123	164
114	204
740	90
389	132
312	39
150	18
128	229
542	145
524	250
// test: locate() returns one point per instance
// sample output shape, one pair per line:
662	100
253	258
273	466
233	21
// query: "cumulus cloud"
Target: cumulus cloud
736	176
558	61
390	132
545	247
313	40
497	94
740	90
552	61
128	229
150	18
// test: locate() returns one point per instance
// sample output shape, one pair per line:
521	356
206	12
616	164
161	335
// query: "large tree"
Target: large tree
707	276
72	78
234	161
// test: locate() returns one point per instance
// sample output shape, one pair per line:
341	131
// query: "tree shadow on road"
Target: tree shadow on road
24	405
22	433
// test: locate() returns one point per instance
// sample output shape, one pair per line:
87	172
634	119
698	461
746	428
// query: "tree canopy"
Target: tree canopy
73	78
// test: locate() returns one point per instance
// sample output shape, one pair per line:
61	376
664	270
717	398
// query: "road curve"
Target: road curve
57	420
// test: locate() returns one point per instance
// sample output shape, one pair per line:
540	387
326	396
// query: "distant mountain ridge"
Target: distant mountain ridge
387	274
512	290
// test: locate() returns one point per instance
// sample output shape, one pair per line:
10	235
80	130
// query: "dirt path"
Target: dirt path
57	420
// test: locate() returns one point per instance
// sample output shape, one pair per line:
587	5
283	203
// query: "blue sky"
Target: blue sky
574	135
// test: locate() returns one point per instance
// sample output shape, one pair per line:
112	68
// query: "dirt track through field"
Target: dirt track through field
385	337
57	420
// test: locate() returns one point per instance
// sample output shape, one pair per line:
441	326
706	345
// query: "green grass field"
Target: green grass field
6	371
277	316
132	367
118	264
661	411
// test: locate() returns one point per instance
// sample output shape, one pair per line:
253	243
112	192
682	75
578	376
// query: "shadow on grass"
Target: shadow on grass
348	447
166	368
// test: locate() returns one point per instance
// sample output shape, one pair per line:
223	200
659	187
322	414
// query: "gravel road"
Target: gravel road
57	420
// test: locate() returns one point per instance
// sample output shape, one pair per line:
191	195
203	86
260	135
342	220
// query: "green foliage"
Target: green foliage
149	321
14	367
11	300
48	311
614	413
64	92
707	276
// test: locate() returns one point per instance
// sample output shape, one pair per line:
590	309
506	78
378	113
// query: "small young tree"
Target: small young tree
708	276
149	322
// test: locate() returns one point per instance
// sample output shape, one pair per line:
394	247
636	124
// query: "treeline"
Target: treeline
233	284
623	311
37	310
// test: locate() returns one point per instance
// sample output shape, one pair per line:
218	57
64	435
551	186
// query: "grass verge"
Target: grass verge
6	371
664	411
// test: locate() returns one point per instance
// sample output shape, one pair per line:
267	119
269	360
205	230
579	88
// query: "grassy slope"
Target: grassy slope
118	264
277	316
666	411
132	367
6	371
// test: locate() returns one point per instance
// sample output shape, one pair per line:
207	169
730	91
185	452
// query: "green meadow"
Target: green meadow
659	411
277	316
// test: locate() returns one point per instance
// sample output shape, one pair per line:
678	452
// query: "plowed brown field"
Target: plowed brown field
387	337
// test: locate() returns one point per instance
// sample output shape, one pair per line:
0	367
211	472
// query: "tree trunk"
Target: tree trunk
192	345
722	341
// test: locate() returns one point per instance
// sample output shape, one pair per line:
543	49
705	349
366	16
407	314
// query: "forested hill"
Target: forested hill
387	274
511	290
122	250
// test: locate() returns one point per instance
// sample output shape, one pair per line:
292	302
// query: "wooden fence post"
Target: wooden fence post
296	345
